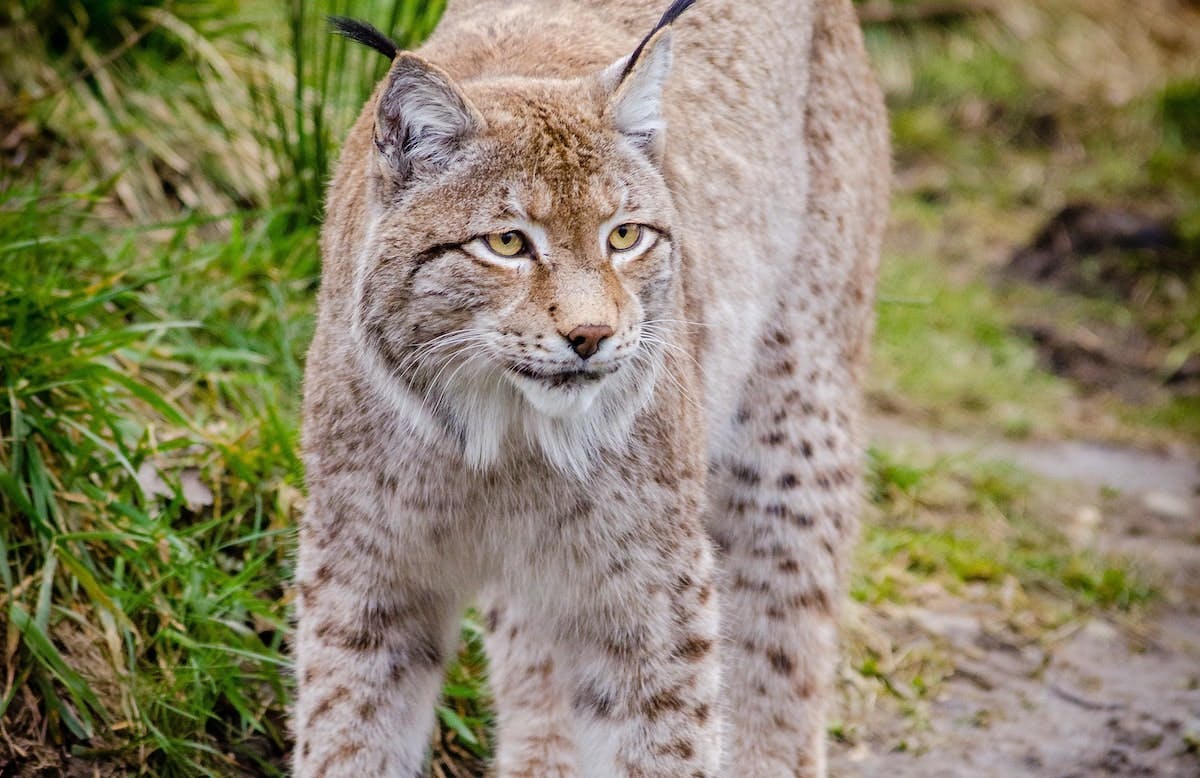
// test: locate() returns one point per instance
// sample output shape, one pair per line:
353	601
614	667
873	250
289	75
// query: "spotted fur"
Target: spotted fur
630	521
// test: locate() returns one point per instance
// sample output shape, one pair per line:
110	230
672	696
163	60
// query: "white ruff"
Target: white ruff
569	427
571	443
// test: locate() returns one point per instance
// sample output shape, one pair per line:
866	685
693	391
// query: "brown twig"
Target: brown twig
1083	702
20	104
111	56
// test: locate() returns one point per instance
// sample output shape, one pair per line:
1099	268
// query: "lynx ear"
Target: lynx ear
422	118
635	84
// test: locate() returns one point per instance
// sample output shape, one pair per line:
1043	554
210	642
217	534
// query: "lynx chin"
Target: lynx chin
596	301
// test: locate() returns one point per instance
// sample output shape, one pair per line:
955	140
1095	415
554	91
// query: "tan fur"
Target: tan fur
727	416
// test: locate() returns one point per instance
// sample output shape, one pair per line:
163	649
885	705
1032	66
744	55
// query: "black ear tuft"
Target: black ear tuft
363	33
669	16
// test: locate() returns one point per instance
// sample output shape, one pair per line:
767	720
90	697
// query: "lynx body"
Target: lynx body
591	328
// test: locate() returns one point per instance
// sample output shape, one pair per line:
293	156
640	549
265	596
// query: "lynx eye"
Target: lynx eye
624	237
505	244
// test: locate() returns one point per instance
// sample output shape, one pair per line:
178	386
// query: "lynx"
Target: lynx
596	300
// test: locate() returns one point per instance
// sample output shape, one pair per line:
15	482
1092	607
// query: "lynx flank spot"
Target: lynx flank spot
595	283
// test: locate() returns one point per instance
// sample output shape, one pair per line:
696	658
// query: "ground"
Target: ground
1027	600
1101	694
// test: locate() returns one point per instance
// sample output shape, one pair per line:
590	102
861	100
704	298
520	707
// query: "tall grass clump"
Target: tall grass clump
149	477
149	392
152	98
200	105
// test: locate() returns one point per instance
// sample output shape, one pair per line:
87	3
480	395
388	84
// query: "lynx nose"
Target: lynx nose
586	338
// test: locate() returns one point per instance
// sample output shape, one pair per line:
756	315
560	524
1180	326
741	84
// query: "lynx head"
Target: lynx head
519	262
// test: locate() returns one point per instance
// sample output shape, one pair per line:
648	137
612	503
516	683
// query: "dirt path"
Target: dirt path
1099	698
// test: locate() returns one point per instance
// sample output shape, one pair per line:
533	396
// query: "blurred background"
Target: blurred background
1025	597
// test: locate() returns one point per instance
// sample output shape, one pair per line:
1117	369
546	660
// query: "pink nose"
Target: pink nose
586	338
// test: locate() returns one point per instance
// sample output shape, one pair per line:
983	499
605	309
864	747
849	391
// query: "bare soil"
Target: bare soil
1118	254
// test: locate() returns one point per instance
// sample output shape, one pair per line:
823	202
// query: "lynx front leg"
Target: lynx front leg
369	649
644	665
534	737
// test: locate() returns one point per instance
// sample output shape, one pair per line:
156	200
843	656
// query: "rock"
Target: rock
957	628
1169	506
1085	520
195	492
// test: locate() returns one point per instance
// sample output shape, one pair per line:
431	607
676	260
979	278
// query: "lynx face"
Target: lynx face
520	259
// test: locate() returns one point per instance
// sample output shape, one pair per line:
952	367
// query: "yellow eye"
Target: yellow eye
506	244
624	237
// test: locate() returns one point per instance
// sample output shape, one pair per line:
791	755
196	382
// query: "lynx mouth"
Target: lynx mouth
560	393
562	379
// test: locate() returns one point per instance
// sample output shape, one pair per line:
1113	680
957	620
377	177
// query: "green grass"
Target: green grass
168	600
957	522
151	368
130	377
944	352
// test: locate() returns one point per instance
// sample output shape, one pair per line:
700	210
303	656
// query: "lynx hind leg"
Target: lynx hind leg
534	735
783	511
787	490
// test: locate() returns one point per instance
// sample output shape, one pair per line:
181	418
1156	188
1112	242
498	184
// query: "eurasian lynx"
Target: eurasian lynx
590	336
